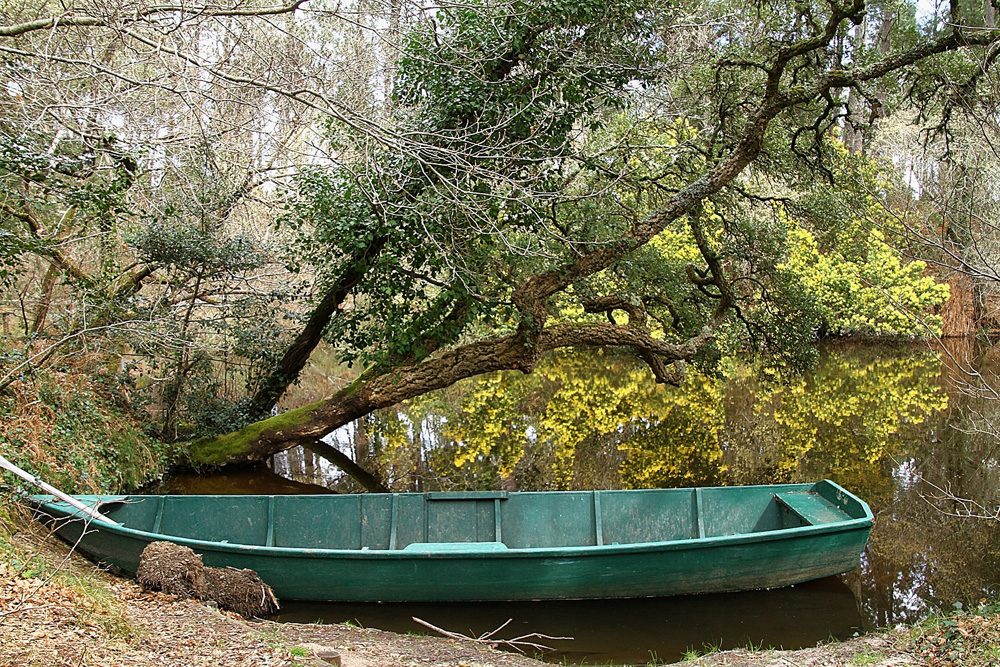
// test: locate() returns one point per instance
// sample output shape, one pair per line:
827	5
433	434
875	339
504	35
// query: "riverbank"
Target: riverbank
57	609
77	429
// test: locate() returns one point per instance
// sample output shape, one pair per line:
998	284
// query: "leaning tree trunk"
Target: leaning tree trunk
297	354
522	350
310	423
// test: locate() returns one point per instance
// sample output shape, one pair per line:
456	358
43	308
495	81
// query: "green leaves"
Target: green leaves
191	250
492	97
523	74
11	249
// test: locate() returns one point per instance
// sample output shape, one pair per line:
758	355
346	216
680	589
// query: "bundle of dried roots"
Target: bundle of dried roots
177	570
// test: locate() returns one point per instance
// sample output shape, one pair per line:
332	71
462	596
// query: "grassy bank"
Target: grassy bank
36	573
76	428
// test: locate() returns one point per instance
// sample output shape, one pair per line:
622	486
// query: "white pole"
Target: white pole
48	488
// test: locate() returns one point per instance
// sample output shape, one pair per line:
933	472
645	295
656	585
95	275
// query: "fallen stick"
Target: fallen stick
518	643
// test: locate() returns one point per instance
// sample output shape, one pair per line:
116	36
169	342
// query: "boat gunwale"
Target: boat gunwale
849	525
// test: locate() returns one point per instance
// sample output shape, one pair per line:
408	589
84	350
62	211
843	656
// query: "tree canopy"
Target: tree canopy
483	183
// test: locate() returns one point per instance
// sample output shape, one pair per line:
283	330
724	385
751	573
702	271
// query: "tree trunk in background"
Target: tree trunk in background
297	354
960	313
45	300
364	456
854	140
855	123
393	38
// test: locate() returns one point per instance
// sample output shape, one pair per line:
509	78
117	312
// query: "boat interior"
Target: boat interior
491	521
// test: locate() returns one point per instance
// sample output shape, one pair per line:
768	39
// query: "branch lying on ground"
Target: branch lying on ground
517	643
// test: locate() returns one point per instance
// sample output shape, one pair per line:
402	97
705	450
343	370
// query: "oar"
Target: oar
48	488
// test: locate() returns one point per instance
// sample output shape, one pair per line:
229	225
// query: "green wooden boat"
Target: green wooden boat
492	545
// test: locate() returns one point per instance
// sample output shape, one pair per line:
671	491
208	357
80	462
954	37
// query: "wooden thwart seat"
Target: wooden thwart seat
812	508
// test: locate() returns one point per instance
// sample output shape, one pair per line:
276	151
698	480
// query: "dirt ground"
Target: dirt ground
53	624
59	610
69	614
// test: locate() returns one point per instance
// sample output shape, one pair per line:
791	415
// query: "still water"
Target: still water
902	427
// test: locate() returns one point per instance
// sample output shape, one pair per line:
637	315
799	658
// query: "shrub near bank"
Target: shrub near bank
75	428
962	639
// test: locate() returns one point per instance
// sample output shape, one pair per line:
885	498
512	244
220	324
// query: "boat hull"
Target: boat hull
490	571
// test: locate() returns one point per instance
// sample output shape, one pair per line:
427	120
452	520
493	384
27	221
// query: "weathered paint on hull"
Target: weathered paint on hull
656	571
717	564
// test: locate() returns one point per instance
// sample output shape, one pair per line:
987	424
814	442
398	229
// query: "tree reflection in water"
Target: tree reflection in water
889	423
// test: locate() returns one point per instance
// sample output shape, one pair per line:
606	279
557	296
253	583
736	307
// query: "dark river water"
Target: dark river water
903	427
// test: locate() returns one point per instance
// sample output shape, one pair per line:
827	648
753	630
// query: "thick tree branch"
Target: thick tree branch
68	20
46	249
608	304
310	423
74	20
531	296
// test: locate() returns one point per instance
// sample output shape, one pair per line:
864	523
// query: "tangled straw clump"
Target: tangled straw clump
172	569
177	570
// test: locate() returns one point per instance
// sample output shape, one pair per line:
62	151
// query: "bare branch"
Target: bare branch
72	20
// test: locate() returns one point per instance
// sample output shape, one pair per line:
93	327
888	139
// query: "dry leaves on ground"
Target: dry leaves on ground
47	622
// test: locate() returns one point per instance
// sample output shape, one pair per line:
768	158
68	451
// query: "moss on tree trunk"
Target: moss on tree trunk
244	445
